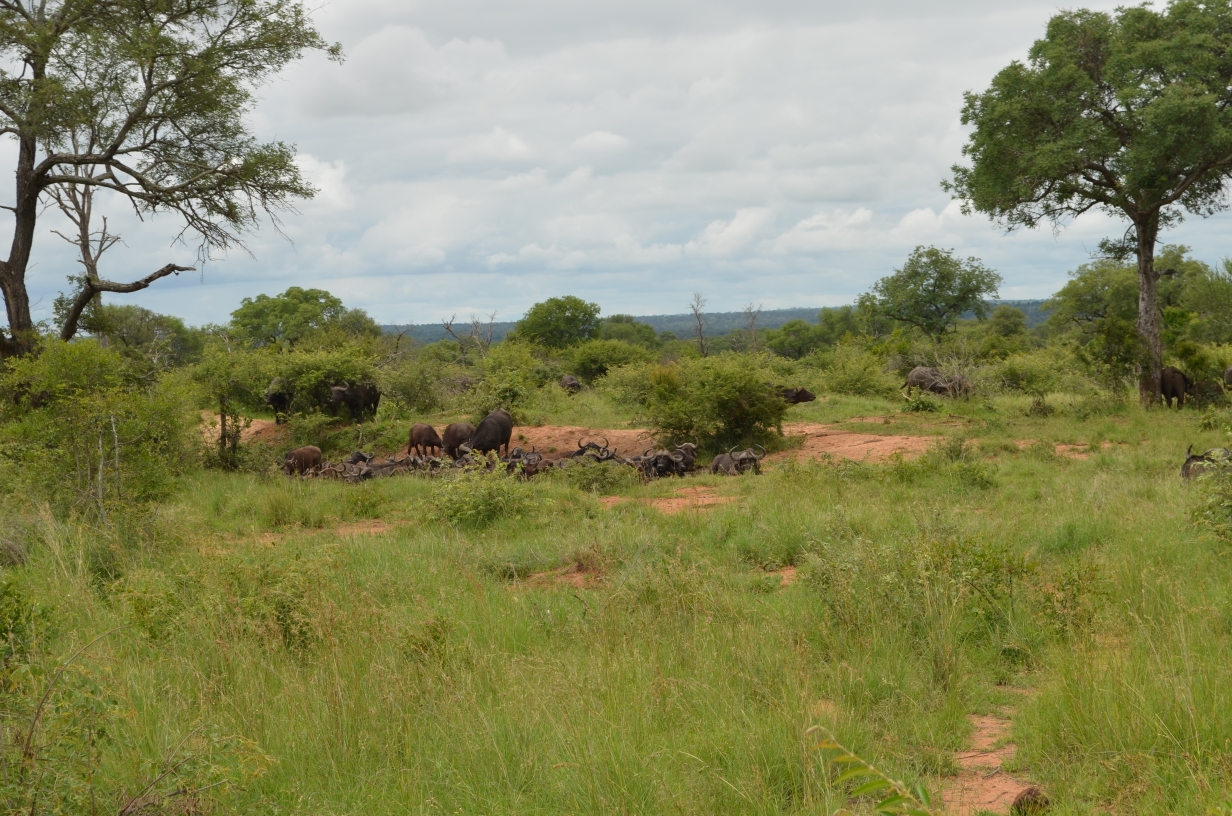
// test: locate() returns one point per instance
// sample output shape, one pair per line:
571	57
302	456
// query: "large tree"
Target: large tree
560	322
1128	112
146	100
932	290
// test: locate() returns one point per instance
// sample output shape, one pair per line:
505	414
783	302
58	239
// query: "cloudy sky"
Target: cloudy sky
480	155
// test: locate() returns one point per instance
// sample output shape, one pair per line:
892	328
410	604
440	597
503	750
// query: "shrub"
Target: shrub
416	385
597	477
87	436
1034	373
478	497
860	373
594	358
714	402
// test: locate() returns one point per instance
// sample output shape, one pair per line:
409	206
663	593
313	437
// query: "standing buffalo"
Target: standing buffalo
301	460
423	437
361	399
278	397
491	434
455	436
795	396
1172	385
927	378
570	383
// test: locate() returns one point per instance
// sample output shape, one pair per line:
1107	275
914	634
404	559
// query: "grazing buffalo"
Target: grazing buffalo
795	396
301	460
1209	460
423	437
278	396
491	434
1172	385
927	378
455	437
570	383
361	398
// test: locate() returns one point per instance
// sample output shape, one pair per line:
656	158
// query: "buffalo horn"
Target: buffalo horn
763	453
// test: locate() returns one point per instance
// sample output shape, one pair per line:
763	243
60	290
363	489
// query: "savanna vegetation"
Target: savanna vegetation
185	630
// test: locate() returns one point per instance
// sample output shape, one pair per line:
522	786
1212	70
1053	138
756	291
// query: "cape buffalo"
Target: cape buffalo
1197	465
1172	385
361	399
278	397
423	437
734	463
301	459
570	383
927	378
491	434
359	458
689	451
455	436
795	396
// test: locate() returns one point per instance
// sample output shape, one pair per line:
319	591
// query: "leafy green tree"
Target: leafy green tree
1006	321
933	290
560	322
594	358
797	338
624	327
148	101
297	314
153	341
1128	112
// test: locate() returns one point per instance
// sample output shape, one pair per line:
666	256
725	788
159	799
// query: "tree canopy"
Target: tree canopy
1128	112
560	322
932	290
297	314
148	101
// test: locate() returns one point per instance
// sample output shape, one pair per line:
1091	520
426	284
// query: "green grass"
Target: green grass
419	670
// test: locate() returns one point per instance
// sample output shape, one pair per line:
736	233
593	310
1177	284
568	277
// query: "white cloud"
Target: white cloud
476	154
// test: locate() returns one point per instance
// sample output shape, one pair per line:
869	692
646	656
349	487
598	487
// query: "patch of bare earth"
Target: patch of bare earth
981	785
565	438
258	430
786	575
686	498
573	576
827	440
1080	452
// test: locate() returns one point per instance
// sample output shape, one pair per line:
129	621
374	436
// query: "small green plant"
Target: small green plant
855	371
921	403
598	477
891	795
478	497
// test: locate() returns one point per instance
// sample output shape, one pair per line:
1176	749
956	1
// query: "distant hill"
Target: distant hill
681	325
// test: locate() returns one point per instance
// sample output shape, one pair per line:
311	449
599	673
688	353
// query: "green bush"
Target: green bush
477	497
89	437
594	358
854	371
597	477
715	402
416	385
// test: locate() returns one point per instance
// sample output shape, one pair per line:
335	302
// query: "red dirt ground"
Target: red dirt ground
981	785
820	440
261	430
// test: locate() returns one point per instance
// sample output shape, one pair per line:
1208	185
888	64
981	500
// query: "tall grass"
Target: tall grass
427	668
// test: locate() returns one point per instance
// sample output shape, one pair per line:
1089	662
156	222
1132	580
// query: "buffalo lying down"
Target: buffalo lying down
1204	462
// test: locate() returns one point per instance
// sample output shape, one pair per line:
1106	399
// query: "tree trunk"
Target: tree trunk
1148	313
13	271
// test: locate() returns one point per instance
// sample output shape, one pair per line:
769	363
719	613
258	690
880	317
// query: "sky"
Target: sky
477	156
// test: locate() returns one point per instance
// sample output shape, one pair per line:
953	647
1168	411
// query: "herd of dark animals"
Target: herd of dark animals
464	444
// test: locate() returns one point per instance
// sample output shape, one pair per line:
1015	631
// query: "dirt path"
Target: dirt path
686	498
260	430
981	785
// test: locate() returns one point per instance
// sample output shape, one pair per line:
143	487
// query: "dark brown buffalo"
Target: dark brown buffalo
927	378
1208	460
278	396
455	436
491	434
1172	386
361	398
570	383
423	437
795	396
300	460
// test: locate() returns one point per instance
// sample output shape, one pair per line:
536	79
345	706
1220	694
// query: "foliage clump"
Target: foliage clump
477	497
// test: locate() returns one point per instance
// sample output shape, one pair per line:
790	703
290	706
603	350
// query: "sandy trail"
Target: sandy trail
981	786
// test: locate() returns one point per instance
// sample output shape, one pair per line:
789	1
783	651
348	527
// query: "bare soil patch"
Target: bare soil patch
981	785
573	576
260	430
690	498
822	440
1079	452
787	575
